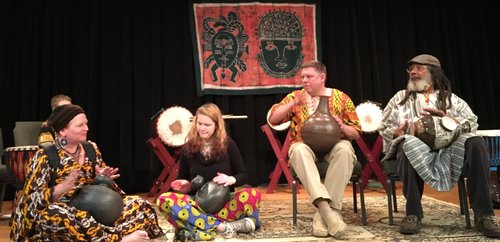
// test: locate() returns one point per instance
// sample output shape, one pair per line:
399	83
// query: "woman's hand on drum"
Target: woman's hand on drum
223	179
67	184
107	171
181	185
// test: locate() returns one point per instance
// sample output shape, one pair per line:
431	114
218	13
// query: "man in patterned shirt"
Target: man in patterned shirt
428	95
297	106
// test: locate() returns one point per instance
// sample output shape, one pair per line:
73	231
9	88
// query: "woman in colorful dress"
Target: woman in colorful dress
43	212
211	153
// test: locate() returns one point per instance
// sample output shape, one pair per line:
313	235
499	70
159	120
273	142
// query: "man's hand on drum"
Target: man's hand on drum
339	122
107	171
433	112
223	179
181	185
401	130
347	131
438	113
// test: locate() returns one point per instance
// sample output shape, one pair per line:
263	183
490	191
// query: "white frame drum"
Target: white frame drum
370	116
280	127
173	125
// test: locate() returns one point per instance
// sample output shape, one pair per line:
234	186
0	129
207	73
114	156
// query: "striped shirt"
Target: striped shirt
441	168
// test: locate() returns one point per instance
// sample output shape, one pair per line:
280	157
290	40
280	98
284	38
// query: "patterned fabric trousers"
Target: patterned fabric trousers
188	218
476	168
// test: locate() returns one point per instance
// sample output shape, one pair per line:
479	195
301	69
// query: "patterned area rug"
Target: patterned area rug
442	222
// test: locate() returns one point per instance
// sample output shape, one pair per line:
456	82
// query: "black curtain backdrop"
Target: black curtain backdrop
124	60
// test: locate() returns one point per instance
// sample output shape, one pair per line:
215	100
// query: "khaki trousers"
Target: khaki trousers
341	161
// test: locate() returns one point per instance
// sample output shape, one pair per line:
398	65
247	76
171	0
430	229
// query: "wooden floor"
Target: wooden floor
282	193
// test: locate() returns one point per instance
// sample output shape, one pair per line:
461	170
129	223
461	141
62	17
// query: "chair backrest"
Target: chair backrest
26	133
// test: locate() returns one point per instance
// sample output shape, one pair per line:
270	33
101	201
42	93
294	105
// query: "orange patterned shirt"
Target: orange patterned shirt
339	104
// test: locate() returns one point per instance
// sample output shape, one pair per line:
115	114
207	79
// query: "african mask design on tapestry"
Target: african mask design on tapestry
280	36
225	38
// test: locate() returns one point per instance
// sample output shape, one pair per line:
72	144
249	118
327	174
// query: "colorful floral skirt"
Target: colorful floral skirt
191	222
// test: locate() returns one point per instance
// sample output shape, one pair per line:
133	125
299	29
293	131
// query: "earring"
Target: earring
63	141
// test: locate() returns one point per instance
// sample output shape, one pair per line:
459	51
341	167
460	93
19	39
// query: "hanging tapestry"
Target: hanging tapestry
253	48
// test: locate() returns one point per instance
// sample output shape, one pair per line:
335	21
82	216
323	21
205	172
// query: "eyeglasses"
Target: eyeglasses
418	68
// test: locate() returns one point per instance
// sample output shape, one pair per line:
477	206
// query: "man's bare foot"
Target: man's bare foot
139	235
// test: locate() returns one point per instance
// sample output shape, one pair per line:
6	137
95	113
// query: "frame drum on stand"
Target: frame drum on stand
173	124
279	127
370	117
171	128
280	150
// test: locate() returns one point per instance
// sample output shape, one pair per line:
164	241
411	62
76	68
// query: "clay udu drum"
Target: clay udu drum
18	160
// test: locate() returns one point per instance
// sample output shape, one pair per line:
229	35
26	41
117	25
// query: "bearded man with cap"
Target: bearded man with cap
428	94
43	212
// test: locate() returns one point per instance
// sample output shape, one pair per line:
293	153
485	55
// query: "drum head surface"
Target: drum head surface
173	125
448	123
370	116
279	127
22	148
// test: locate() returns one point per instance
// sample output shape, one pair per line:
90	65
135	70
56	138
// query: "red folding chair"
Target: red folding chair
372	161
281	151
170	167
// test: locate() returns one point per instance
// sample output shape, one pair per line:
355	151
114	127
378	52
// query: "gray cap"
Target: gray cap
425	59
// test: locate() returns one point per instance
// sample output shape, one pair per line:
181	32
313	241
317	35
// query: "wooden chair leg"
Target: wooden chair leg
464	207
394	198
460	196
362	198
294	203
354	196
389	188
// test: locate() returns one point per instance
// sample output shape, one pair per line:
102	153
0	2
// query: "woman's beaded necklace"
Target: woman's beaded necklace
75	155
206	150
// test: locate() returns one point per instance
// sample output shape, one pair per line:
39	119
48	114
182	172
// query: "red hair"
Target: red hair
219	137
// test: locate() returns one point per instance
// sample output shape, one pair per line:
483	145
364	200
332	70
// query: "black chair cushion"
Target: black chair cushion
390	167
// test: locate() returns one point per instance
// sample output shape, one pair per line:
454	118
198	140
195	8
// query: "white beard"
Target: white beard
418	85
